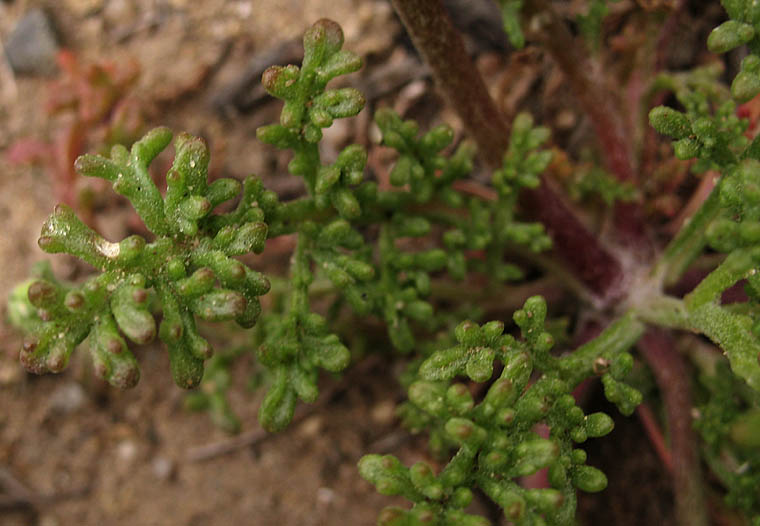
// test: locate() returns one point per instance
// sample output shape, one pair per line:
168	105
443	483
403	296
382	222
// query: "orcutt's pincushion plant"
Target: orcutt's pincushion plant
497	407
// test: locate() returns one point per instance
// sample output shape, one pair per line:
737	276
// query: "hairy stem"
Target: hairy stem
598	104
672	377
653	431
590	262
618	337
440	44
690	240
665	311
589	90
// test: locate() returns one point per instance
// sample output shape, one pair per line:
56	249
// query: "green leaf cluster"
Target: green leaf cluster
188	269
710	131
378	250
741	28
595	181
589	23
727	221
494	434
492	226
728	420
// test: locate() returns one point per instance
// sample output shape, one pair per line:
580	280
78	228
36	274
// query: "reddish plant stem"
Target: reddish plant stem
667	31
672	377
580	250
441	46
572	59
588	88
700	195
653	431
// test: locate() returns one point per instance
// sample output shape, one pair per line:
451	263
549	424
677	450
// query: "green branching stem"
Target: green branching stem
732	331
618	337
689	242
667	312
737	265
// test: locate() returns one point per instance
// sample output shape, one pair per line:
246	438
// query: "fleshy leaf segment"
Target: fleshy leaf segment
740	29
390	281
494	434
728	220
188	270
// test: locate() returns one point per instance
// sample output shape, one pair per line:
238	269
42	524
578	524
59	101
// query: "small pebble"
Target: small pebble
311	426
67	398
163	467
32	46
325	496
384	412
126	451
